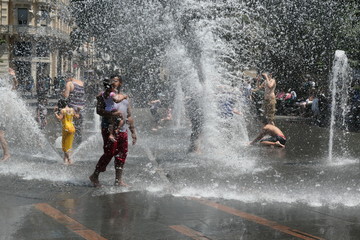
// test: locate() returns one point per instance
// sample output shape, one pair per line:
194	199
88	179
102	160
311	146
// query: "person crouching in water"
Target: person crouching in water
276	136
66	114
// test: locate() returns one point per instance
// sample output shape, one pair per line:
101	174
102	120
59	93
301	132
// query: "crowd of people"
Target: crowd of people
115	109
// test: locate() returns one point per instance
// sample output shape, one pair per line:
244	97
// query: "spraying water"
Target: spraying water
196	42
339	87
179	107
22	130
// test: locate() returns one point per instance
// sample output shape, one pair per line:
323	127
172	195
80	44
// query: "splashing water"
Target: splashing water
187	38
21	129
339	87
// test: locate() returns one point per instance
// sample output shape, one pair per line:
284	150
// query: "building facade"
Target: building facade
37	40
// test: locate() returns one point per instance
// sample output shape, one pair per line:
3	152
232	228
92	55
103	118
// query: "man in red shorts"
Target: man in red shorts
119	147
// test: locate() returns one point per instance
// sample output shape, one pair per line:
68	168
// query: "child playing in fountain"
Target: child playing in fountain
276	138
110	98
65	113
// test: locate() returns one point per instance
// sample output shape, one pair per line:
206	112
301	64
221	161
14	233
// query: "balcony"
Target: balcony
38	31
46	1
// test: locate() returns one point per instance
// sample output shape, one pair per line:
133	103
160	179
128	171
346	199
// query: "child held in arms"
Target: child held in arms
110	98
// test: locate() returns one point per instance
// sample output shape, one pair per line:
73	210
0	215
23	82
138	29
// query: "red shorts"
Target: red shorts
118	149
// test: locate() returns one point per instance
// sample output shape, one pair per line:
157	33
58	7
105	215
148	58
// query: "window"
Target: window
44	17
23	16
22	49
42	49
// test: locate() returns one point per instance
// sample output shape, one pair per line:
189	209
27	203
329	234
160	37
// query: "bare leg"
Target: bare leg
68	157
94	178
268	143
278	144
118	174
65	159
4	146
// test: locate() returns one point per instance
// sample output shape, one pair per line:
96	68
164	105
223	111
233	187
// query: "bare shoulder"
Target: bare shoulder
79	82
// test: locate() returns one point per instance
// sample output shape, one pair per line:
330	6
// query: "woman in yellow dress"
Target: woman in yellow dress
66	114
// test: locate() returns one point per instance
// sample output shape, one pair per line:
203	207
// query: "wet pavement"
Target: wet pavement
291	194
74	213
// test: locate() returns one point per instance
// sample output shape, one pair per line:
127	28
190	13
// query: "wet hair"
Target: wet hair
106	83
116	76
62	103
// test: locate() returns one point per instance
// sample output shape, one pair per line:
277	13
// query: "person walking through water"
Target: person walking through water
119	147
75	94
269	105
65	113
196	116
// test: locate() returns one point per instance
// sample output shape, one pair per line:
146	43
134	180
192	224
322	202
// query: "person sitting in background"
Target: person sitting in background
306	105
281	95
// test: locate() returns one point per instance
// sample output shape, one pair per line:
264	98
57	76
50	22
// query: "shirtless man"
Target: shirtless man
277	137
269	104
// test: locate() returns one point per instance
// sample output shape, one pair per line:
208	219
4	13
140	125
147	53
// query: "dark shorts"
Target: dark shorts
2	127
275	139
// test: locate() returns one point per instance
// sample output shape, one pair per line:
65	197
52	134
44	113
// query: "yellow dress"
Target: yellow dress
68	129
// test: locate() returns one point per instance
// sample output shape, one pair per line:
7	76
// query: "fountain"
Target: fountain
203	45
21	128
340	82
179	108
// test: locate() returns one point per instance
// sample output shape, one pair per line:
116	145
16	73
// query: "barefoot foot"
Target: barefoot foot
95	181
278	144
5	157
120	183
